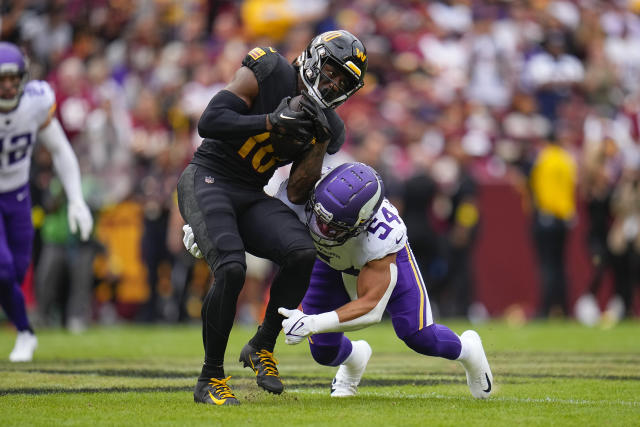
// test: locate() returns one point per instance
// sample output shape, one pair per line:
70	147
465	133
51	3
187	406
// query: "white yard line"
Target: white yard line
497	398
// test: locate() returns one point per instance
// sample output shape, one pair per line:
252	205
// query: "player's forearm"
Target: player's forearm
306	173
362	312
349	317
64	159
356	309
226	117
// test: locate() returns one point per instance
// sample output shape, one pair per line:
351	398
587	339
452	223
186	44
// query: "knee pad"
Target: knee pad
303	258
229	279
231	274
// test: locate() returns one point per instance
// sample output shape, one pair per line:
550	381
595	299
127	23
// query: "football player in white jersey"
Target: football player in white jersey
27	115
365	267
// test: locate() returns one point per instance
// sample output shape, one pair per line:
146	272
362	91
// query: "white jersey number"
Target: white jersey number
384	226
15	148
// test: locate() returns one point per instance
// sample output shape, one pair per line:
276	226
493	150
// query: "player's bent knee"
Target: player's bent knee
302	258
232	273
423	341
325	355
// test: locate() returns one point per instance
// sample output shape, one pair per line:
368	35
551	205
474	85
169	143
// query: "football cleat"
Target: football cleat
264	365
26	344
346	381
479	377
214	391
587	310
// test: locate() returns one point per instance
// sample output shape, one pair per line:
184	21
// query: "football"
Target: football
295	104
287	147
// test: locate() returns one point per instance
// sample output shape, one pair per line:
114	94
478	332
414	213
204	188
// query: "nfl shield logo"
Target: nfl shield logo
209	180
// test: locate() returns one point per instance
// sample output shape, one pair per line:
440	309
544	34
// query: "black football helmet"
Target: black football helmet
343	52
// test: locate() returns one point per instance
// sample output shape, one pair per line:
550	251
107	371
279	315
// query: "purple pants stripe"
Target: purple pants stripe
425	317
16	240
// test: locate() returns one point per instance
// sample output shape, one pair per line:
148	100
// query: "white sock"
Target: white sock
357	358
464	351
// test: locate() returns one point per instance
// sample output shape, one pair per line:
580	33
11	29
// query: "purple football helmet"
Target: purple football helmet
12	63
343	203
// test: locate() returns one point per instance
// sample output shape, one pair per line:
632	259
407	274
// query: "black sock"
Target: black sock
264	338
211	370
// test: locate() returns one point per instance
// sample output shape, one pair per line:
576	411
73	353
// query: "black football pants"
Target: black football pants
228	219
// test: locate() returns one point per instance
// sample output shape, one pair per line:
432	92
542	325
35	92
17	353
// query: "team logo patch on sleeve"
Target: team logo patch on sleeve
256	53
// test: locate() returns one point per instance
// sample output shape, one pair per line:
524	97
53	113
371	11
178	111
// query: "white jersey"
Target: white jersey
387	234
18	132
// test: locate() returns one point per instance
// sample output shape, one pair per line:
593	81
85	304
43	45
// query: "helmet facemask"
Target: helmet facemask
327	232
329	79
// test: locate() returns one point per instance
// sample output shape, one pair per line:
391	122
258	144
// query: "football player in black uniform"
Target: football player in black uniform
249	130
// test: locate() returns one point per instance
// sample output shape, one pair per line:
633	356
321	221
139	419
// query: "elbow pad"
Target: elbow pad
226	117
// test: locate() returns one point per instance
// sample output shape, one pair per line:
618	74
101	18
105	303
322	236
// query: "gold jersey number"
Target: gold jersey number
263	158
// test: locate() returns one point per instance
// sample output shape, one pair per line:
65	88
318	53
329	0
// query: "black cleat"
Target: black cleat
264	365
214	391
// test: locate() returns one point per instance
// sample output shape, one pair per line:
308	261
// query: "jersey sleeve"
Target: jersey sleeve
337	128
282	195
386	235
43	100
262	61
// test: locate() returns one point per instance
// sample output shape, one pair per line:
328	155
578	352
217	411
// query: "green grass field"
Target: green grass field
544	373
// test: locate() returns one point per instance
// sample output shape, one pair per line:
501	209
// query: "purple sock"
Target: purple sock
435	340
12	301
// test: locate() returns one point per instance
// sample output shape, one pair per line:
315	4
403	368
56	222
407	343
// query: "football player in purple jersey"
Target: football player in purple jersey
365	268
27	115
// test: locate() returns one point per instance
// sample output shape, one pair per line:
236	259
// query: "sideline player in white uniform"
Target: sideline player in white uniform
365	267
26	115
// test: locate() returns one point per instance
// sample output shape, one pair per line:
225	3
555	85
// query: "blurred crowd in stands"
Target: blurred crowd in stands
459	94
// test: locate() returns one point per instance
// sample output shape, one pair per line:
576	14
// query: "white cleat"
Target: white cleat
479	377
349	374
26	344
587	310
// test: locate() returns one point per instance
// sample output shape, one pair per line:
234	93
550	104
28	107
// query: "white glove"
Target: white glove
189	241
297	325
79	217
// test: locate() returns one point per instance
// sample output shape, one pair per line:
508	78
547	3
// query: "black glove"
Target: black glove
288	123
321	127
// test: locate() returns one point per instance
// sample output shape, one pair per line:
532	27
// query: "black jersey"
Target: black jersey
251	160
